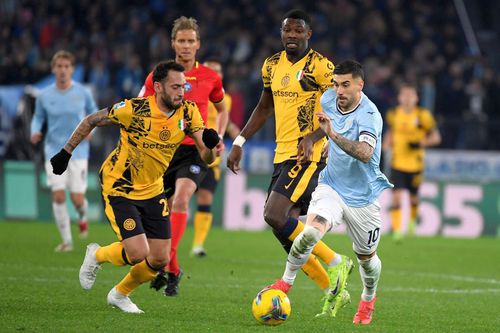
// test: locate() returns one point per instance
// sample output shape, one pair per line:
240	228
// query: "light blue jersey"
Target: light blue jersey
358	184
63	111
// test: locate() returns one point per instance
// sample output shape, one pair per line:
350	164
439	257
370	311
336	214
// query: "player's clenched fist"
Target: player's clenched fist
60	162
324	122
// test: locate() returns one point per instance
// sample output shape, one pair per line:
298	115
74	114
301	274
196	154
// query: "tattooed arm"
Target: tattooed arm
359	150
99	118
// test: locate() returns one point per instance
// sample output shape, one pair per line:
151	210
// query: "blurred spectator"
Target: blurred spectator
419	41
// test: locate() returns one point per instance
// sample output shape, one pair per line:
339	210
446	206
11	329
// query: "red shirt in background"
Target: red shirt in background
202	85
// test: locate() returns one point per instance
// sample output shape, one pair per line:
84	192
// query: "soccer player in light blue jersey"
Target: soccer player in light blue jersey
347	190
62	106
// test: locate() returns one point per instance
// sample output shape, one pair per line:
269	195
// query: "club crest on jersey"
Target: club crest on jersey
285	80
119	105
299	75
129	224
165	135
195	169
188	87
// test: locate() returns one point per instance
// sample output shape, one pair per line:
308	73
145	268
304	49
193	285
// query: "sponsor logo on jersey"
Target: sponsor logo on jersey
195	169
165	135
284	93
285	80
188	87
156	145
129	224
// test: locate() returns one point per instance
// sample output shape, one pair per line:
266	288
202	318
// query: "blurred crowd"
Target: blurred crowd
118	42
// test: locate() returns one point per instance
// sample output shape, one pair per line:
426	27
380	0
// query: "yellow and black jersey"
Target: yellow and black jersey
148	140
407	128
212	121
296	90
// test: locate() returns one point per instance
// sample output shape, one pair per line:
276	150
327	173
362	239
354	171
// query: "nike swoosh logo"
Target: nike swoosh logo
290	183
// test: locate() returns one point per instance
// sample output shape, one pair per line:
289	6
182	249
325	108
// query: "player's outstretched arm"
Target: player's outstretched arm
99	118
60	160
360	150
305	147
260	114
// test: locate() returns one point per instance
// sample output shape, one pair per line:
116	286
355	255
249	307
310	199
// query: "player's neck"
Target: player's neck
64	85
163	108
407	109
294	58
188	64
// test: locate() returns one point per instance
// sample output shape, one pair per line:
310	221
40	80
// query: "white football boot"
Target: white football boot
89	268
122	302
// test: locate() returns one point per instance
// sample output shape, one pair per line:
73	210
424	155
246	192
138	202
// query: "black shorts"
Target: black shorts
211	179
129	217
296	181
406	180
186	163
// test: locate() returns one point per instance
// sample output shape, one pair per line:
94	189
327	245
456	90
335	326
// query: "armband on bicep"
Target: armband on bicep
368	138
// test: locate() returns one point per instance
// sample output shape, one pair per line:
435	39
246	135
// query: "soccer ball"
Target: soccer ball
271	307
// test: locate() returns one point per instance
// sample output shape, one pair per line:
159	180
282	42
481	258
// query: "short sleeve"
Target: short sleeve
90	106
217	93
121	113
325	74
427	120
266	75
370	127
194	120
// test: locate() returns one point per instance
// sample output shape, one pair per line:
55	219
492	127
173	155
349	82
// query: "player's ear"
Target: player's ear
157	87
309	33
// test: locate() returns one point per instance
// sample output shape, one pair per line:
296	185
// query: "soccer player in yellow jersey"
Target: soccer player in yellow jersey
411	128
294	80
205	195
151	129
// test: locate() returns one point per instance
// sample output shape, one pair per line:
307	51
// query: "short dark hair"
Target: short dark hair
350	67
160	72
299	15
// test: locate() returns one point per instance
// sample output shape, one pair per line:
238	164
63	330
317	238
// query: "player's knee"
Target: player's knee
180	204
274	217
159	262
311	234
135	256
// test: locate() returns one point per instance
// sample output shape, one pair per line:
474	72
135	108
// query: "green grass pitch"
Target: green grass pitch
427	285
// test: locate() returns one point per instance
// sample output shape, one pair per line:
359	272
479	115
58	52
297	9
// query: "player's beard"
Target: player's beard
167	101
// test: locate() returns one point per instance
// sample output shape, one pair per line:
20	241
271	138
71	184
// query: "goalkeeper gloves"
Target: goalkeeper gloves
210	138
60	162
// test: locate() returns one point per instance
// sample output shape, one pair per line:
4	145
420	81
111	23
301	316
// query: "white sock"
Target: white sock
370	273
82	210
337	259
62	221
300	252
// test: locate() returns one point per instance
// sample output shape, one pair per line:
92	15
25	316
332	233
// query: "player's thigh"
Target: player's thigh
55	182
78	173
155	218
326	202
210	180
363	227
123	216
295	181
415	182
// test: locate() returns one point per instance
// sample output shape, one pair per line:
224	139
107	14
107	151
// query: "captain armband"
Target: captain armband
368	138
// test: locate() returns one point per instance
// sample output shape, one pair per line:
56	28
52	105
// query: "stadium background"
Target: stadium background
450	49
